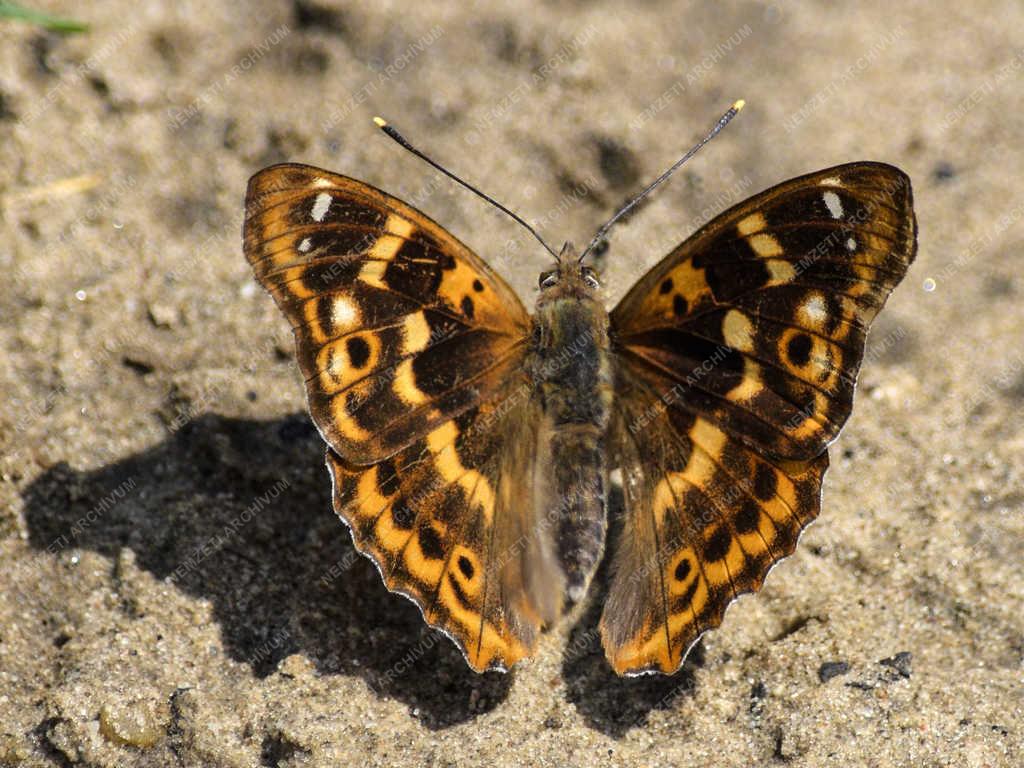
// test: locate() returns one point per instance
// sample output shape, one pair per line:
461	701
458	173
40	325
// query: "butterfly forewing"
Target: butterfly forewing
737	357
381	300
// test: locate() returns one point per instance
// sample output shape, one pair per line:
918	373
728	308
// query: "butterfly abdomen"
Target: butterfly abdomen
574	374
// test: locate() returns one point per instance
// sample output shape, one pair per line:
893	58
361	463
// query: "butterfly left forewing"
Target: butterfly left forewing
381	300
737	357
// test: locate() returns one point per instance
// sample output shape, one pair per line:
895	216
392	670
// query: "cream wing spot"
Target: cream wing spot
415	333
372	273
305	245
690	282
832	181
344	315
399	225
738	331
708	442
334	367
812	312
750	385
765	245
398	230
780	271
755	222
851	244
320	206
834	204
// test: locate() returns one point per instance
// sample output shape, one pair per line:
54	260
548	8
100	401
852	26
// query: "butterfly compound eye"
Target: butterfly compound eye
548	279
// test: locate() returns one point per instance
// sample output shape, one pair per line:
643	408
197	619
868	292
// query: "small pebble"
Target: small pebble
133	723
900	662
831	669
163	315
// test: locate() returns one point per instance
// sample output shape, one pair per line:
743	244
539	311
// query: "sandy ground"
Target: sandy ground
174	587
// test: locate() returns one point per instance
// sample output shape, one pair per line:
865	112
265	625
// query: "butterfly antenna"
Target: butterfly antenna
722	122
394	134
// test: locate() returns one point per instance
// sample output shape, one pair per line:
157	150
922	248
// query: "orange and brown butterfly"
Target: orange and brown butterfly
470	443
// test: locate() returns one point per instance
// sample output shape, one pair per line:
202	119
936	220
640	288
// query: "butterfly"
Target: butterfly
471	444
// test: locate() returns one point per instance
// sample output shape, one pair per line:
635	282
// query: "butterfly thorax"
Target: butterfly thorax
571	350
572	368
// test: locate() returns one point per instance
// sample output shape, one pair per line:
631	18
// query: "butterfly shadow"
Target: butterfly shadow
607	702
239	512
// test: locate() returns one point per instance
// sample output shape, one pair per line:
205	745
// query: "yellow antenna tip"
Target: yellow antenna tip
380	121
739	105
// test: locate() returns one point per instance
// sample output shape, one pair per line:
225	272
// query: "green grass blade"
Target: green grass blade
52	23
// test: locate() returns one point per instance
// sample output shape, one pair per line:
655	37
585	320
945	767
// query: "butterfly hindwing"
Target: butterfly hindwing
451	523
736	358
705	519
381	300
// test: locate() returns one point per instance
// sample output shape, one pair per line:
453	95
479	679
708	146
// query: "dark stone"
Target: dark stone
310	15
943	171
617	163
831	669
900	662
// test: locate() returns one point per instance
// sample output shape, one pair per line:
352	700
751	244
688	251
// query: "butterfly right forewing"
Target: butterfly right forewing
777	293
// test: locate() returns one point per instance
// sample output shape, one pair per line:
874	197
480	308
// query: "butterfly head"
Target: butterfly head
568	278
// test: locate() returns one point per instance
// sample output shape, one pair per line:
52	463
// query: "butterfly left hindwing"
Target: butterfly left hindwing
736	360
